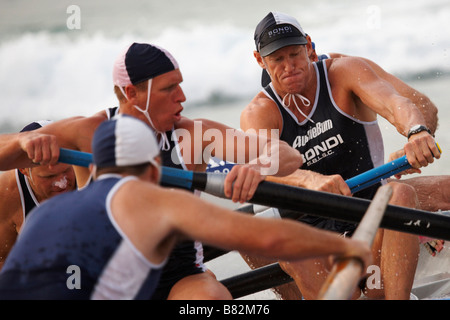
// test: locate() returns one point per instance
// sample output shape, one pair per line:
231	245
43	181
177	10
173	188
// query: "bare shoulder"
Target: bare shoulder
9	195
185	123
348	73
72	124
334	55
74	132
208	124
261	113
101	113
346	63
8	181
137	196
260	103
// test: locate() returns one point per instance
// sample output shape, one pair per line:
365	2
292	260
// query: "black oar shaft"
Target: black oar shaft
256	280
307	201
336	207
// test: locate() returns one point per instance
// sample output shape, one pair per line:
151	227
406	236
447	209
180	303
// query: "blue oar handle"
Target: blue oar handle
356	183
77	158
170	176
183	178
177	177
375	175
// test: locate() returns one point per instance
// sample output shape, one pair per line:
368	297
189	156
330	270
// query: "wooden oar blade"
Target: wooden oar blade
346	273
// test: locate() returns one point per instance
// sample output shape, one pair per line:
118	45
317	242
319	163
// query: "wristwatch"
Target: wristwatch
416	129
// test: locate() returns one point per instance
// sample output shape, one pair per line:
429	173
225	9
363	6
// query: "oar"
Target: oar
184	179
329	205
375	175
357	183
77	158
306	201
260	279
361	181
345	275
170	176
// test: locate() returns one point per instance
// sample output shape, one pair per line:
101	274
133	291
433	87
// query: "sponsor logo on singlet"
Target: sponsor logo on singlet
321	150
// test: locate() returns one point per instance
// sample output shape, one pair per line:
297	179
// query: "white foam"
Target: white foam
64	73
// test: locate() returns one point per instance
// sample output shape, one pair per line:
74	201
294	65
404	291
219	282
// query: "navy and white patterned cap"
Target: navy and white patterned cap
123	141
140	62
278	30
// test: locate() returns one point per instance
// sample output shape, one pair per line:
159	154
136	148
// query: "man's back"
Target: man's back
74	231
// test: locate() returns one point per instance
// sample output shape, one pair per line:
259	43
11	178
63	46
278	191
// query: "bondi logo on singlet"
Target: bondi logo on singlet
322	150
230	146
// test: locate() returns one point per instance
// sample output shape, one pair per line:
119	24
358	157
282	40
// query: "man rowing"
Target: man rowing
430	197
147	82
328	111
111	239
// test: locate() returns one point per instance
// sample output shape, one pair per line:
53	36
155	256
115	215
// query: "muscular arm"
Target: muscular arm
220	227
352	79
21	150
41	146
422	102
255	146
258	153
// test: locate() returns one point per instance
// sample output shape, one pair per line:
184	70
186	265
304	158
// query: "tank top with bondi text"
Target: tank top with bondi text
333	142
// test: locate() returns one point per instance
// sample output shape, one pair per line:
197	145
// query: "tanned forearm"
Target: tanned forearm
11	153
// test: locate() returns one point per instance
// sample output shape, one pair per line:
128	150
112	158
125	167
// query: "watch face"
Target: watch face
416	129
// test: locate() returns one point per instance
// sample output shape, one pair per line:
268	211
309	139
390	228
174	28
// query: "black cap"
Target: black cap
278	30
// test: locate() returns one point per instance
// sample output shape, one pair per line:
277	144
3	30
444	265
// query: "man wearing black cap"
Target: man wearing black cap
425	105
430	198
328	111
115	235
21	190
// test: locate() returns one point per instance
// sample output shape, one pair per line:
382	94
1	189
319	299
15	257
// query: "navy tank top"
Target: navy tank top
333	142
27	197
80	234
187	256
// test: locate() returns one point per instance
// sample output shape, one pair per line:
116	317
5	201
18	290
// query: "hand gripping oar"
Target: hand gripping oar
306	201
375	175
345	275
